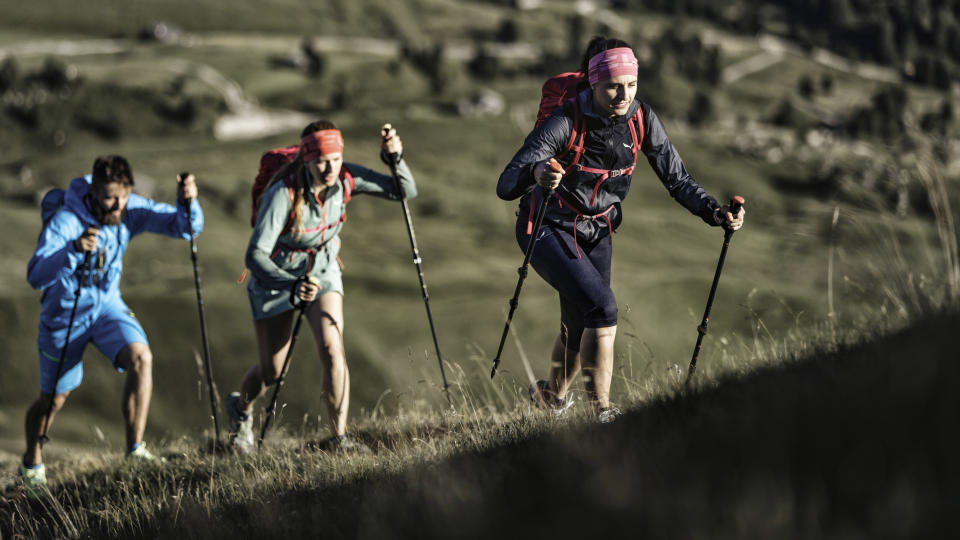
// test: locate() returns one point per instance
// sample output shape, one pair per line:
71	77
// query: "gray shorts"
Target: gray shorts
266	302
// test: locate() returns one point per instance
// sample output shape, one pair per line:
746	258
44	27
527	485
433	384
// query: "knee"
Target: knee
332	350
140	360
269	374
43	402
603	313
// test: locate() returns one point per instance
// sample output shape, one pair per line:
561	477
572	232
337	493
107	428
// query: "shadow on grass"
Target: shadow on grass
858	443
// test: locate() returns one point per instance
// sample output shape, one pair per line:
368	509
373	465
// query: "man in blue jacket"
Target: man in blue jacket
83	244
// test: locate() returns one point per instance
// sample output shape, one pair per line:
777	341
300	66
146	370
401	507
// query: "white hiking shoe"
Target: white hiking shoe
34	481
241	425
540	397
141	454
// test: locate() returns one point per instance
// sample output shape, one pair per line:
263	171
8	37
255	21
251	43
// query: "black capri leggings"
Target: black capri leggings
586	300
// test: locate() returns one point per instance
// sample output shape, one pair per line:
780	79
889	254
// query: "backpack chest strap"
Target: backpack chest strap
604	175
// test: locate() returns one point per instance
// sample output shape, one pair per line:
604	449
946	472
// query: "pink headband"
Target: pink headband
612	63
319	143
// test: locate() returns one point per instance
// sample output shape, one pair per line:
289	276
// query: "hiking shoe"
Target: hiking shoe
342	444
540	396
141	454
241	425
34	481
608	415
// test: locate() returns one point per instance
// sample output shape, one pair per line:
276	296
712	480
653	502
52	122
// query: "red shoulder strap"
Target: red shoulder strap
638	132
289	182
577	134
348	183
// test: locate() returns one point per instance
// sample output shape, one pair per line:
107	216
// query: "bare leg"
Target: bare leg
273	341
137	359
564	366
34	421
597	354
326	320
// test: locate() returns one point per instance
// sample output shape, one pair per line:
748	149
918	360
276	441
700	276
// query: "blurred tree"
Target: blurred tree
805	86
826	83
483	65
508	32
316	62
8	74
53	74
701	110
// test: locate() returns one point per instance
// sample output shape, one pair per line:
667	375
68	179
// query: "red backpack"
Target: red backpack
270	163
564	87
556	91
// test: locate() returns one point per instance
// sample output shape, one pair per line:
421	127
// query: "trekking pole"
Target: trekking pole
417	260
286	362
537	221
42	439
735	205
211	386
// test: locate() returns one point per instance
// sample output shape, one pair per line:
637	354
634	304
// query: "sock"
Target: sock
32	467
133	447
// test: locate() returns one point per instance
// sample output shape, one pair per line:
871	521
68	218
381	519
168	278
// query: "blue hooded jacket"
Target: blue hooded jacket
56	266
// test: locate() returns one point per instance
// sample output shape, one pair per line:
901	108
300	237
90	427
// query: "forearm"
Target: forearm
544	142
52	262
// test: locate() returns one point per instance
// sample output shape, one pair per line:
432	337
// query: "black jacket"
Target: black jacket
608	145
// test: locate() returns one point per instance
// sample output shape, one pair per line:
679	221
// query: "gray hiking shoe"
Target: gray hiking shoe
34	481
608	415
241	425
341	444
541	397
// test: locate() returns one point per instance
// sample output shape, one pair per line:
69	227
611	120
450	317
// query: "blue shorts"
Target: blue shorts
583	282
114	329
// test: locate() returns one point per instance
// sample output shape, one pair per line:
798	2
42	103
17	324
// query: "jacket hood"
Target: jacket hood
73	200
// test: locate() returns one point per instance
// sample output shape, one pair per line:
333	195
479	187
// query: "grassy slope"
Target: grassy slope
776	274
857	442
665	258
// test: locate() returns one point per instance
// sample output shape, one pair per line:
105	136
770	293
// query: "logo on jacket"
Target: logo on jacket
625	145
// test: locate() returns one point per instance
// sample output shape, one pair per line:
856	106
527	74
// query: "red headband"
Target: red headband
612	63
320	143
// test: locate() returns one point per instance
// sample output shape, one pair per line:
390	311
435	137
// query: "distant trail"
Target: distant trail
245	118
64	48
775	49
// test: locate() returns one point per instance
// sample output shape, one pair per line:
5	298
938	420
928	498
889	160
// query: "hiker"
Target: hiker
591	177
84	239
293	252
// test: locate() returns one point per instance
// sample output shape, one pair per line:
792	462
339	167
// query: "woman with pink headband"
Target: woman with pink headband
584	155
293	251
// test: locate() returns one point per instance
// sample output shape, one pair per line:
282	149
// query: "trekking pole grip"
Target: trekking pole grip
394	157
736	204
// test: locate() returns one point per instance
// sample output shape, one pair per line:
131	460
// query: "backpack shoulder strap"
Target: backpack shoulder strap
348	183
291	184
574	144
637	133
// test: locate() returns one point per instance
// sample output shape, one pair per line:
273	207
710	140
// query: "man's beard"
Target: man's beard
102	214
113	219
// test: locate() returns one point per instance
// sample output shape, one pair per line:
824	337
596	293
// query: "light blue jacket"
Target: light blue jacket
56	266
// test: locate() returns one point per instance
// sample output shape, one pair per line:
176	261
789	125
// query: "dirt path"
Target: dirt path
775	49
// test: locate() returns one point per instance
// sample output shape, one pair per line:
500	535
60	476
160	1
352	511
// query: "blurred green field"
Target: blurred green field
776	277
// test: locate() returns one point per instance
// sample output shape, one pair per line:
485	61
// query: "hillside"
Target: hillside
849	168
854	442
